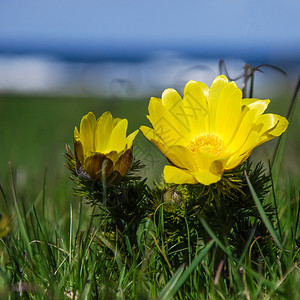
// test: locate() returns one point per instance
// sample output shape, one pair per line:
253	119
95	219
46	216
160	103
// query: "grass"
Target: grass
57	246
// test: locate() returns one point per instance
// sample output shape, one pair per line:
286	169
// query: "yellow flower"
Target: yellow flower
209	130
102	149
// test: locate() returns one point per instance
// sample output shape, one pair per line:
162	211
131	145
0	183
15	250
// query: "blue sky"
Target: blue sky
271	25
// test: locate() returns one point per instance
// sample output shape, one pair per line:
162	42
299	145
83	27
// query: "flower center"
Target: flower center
210	144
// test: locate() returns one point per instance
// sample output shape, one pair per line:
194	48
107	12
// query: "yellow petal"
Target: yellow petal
214	98
124	162
130	138
259	105
170	99
242	154
237	159
178	176
228	112
270	126
179	155
116	121
207	178
78	147
169	121
87	131
103	132
117	140
76	134
217	168
150	134
203	160
154	137
113	156
248	120
250	143
195	107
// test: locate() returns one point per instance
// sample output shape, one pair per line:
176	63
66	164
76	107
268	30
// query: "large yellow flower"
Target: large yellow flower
102	149
209	130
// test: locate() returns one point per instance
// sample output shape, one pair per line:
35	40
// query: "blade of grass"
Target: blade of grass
79	218
20	219
214	237
277	158
263	213
228	252
246	249
167	291
178	280
161	251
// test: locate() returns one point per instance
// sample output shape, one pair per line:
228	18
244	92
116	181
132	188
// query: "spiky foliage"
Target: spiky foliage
226	206
122	205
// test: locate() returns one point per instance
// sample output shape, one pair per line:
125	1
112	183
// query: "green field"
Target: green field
51	251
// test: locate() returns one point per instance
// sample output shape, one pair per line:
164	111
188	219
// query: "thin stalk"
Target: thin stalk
297	219
251	85
4	197
70	233
263	213
293	101
288	115
275	201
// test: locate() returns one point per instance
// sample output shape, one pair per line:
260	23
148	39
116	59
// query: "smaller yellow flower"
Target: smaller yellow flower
209	131
102	150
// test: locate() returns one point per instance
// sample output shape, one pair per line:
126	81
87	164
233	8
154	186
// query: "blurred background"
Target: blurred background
61	59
